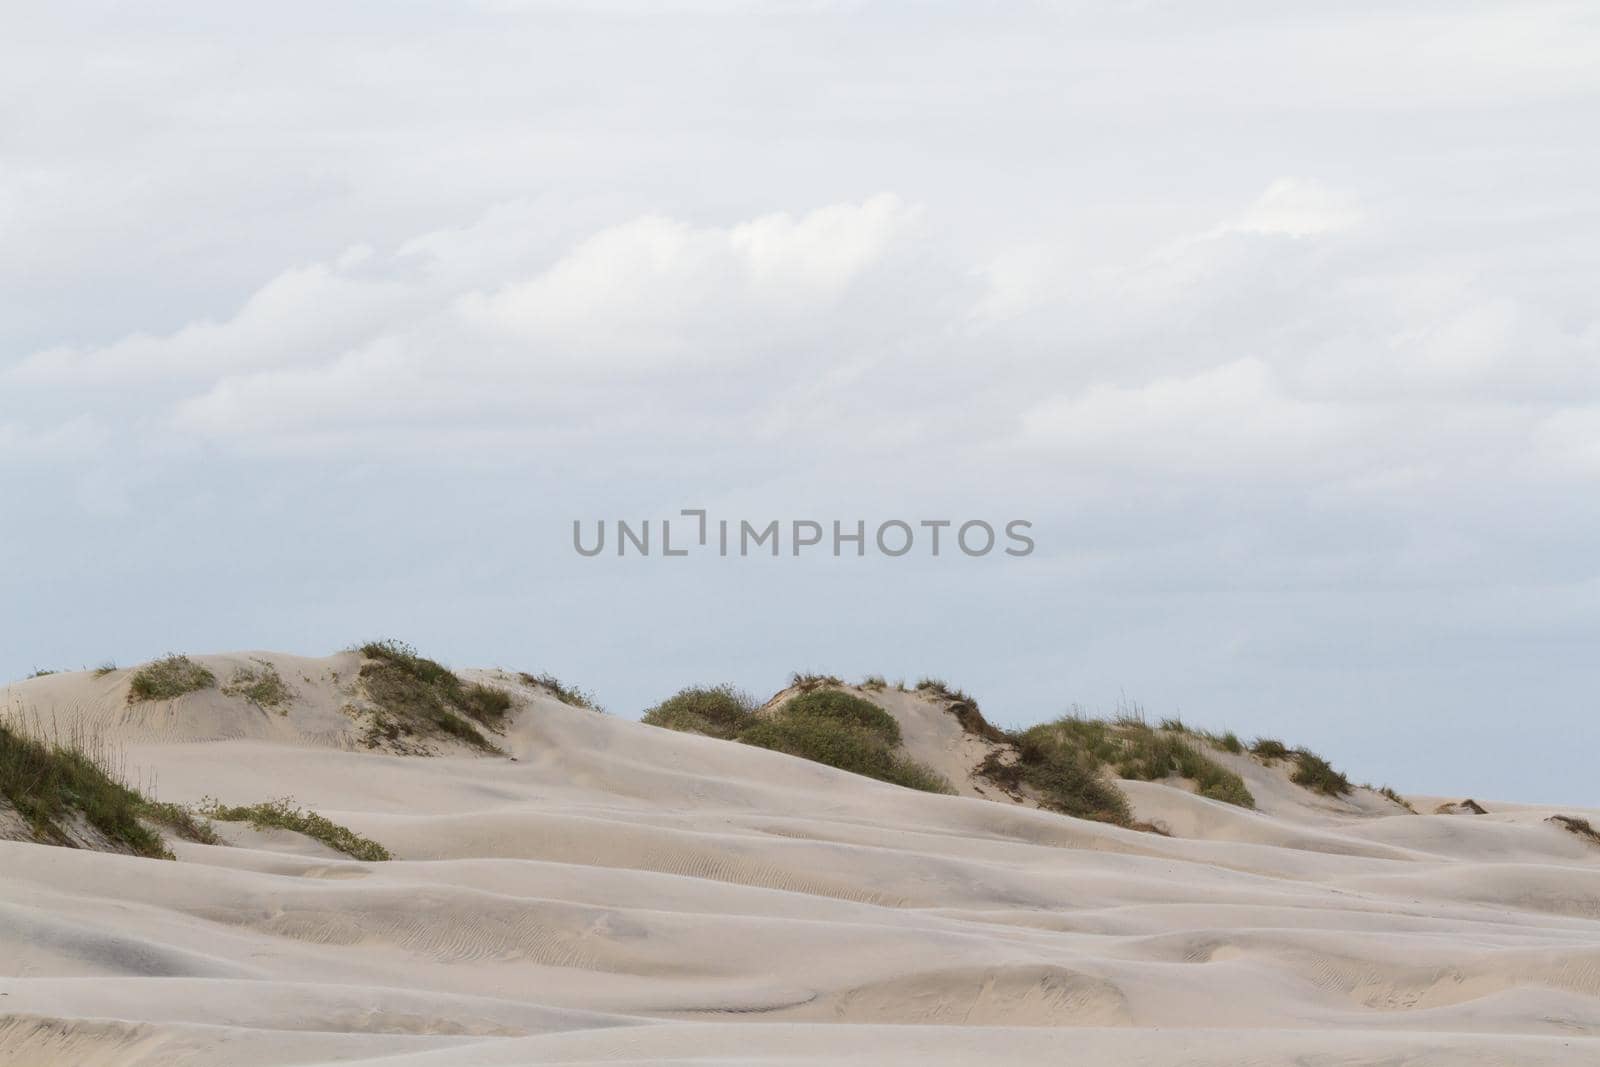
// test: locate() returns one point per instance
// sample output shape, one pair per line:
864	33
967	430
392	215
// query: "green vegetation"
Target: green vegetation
1311	770
938	687
963	707
821	724
1066	775
578	698
874	683
807	682
1066	763
1397	798
181	820
1316	774
1151	755
104	669
284	814
716	711
41	673
53	786
416	696
169	677
1269	750
261	685
832	727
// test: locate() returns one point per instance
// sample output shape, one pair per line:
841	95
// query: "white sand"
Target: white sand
622	894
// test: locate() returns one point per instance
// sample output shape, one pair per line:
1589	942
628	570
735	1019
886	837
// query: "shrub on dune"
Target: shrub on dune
261	685
1061	762
1066	764
1316	774
716	711
1269	750
821	724
53	786
285	814
832	727
416	696
567	694
167	678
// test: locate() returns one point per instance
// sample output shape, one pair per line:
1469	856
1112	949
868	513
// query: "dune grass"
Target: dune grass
1269	750
716	711
1228	742
284	814
167	678
1065	774
1068	763
961	704
825	725
805	682
833	727
1575	825
417	696
1316	774
567	694
54	785
261	685
181	820
1389	792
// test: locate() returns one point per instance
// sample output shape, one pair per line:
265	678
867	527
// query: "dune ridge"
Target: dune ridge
588	889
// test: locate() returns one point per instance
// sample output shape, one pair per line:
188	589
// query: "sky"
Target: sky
1277	321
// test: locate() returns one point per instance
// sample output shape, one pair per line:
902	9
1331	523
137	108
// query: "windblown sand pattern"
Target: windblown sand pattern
608	892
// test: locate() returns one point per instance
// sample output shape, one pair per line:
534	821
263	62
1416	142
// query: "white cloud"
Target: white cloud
303	315
453	353
1292	207
76	439
1336	270
659	289
1224	420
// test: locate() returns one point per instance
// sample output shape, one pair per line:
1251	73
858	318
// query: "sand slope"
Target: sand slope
615	893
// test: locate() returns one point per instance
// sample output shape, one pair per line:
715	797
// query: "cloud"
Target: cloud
1226	420
302	315
1570	438
657	289
1292	207
76	439
423	345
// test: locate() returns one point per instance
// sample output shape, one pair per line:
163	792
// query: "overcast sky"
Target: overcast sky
1278	321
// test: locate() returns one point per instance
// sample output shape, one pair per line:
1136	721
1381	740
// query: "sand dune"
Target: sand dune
609	892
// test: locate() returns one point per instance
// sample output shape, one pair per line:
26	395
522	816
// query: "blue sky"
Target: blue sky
319	323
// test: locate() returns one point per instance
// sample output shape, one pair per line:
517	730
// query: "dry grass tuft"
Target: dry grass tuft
167	678
1317	775
416	696
806	682
578	698
283	813
261	685
961	704
1573	824
1389	792
823	724
55	784
715	711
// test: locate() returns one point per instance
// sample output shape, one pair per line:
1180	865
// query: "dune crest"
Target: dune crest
582	888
